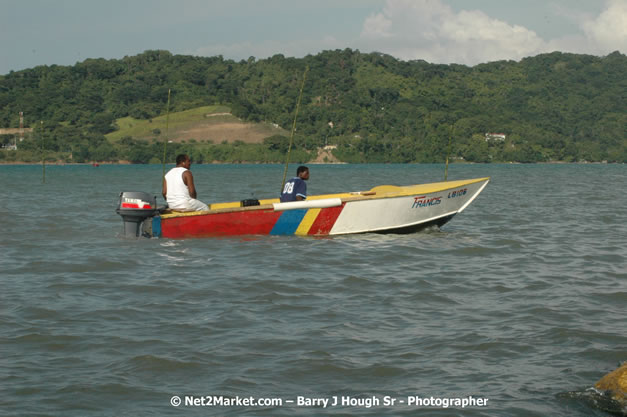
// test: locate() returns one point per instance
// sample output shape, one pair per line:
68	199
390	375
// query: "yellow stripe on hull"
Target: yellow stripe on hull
307	222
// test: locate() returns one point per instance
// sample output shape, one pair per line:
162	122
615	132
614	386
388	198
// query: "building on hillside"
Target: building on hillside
495	137
15	133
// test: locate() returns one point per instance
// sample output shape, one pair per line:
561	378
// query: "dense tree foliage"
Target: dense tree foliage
375	108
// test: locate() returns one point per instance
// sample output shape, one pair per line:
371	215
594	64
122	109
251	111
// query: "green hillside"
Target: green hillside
214	124
146	128
372	107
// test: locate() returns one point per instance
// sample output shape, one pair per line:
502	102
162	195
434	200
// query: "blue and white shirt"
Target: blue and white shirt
294	187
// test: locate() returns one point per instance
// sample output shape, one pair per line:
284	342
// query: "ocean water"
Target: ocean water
514	308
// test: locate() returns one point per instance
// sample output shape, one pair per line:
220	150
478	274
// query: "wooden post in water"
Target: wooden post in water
448	152
43	153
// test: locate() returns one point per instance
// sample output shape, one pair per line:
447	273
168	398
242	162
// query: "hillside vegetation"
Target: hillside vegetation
213	124
373	107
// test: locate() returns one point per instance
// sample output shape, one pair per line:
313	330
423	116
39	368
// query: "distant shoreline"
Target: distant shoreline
57	163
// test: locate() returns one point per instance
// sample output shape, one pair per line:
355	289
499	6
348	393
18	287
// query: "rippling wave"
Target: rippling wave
520	299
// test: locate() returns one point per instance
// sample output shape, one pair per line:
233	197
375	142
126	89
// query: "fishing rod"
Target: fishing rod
289	148
165	142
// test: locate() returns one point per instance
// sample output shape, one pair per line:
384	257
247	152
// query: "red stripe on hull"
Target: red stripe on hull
258	222
325	220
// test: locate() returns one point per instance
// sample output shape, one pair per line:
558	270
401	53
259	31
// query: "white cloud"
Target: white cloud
377	26
609	30
431	30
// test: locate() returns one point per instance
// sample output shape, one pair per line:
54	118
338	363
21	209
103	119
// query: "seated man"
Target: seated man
296	189
178	187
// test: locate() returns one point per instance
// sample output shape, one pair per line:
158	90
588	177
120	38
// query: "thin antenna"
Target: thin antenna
167	126
289	149
21	128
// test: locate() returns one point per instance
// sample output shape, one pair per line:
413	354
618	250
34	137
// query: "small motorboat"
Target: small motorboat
383	209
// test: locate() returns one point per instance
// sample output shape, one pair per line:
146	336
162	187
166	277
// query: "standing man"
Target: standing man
296	189
178	187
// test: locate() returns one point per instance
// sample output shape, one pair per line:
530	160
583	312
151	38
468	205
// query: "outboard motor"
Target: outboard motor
135	207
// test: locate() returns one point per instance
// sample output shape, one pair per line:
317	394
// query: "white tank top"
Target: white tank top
178	193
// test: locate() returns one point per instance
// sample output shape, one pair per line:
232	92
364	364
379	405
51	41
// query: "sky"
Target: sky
469	32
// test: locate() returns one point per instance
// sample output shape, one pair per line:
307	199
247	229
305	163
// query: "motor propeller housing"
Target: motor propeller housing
135	207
